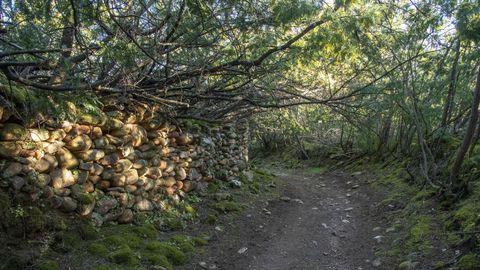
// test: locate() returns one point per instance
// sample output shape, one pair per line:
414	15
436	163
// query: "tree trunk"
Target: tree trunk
467	140
384	134
447	111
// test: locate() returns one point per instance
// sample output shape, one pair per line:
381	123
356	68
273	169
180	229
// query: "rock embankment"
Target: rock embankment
107	167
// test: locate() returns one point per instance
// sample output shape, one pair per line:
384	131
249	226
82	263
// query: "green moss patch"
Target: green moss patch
115	241
199	241
124	255
185	243
157	259
87	232
316	170
173	253
226	206
146	230
468	215
211	219
420	233
86	198
66	241
98	249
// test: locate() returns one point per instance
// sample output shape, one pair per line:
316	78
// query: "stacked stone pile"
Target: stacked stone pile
107	167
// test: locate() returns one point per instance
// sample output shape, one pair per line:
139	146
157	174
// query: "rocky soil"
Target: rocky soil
327	221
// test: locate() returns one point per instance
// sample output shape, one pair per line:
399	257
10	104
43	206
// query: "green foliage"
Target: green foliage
48	106
469	261
285	12
469	20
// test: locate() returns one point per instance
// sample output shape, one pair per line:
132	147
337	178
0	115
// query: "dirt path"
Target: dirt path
319	222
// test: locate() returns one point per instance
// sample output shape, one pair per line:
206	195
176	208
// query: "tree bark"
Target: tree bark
447	111
467	140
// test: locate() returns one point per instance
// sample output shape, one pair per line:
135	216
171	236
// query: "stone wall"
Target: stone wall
107	167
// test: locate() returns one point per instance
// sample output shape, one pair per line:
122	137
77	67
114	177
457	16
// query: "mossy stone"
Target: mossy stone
98	249
86	198
96	118
13	132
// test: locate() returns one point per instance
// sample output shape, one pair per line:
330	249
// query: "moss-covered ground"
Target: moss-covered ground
39	238
425	224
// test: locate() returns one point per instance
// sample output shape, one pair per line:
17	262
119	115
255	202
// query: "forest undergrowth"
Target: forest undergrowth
425	223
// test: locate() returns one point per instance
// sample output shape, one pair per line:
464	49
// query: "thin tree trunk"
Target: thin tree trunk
467	140
475	139
302	148
384	134
447	111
